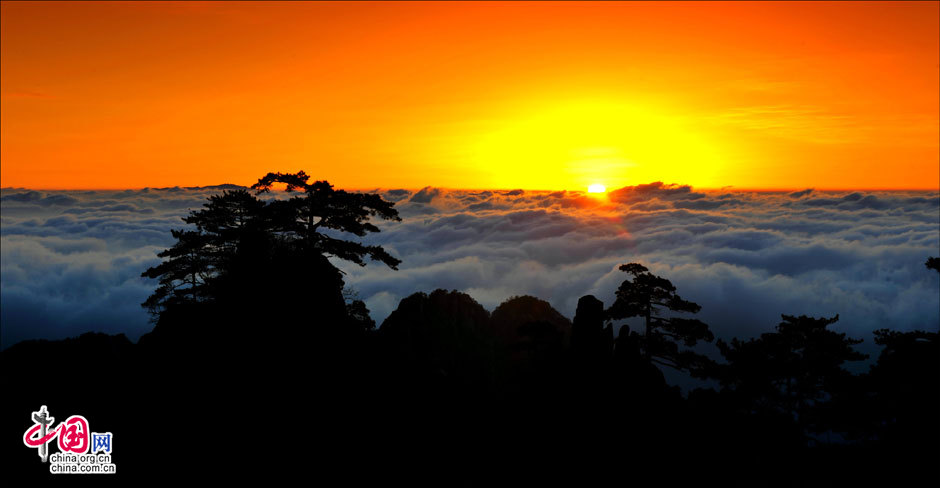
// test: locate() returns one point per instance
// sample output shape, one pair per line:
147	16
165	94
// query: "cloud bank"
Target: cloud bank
71	260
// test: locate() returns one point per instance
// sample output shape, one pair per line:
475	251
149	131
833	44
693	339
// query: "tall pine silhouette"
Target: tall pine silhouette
654	298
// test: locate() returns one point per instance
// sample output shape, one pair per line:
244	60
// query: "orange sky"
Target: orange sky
471	95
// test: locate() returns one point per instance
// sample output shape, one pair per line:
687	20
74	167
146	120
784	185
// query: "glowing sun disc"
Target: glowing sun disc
597	189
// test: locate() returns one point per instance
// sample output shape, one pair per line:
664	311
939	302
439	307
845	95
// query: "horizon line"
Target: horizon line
729	188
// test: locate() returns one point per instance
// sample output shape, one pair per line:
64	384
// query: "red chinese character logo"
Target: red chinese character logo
73	435
34	438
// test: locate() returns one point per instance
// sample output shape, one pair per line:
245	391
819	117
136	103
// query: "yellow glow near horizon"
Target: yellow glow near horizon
597	188
578	143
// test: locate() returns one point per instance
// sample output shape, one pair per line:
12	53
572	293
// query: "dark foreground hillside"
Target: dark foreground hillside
449	394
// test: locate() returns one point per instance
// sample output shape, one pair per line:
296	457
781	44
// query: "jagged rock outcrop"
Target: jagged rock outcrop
441	336
591	341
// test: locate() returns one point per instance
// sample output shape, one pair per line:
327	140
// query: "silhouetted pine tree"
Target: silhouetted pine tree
791	373
303	218
652	297
240	242
184	275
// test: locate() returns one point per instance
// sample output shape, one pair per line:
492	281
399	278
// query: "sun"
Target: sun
579	142
597	188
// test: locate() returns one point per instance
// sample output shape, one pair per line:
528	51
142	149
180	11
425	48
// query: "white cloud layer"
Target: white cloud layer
71	260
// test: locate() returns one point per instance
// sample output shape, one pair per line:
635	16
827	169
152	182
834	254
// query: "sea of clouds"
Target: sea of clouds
71	260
